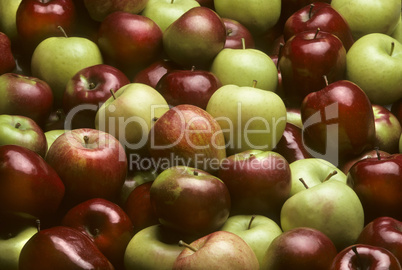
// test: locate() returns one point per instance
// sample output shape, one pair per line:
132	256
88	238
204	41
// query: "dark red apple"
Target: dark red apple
7	63
374	153
154	72
235	32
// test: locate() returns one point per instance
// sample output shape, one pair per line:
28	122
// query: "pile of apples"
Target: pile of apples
200	134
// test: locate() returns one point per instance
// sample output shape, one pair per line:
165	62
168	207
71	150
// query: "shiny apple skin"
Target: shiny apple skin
235	32
151	74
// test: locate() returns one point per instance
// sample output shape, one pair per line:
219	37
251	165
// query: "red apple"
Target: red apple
194	87
100	9
106	224
374	153
154	72
319	15
235	32
28	184
7	63
291	6
129	42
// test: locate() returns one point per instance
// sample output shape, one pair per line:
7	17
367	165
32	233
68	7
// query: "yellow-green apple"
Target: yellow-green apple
220	249
258	181
64	248
235	32
256	230
300	248
56	59
106	224
397	34
294	117
257	16
382	85
7	63
187	135
180	197
165	12
242	67
8	14
369	16
333	208
151	74
29	186
91	164
195	38
27	96
52	135
23	131
250	118
99	9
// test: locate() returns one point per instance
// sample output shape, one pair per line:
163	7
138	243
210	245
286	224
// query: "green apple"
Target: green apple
313	171
250	118
165	12
397	34
331	207
129	114
257	231
56	59
374	62
52	135
369	16
243	67
154	247
8	12
258	16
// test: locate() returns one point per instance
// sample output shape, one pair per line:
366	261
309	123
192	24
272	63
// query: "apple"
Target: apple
129	41
291	6
91	164
385	52
369	16
258	181
29	186
305	58
8	14
52	135
387	129
377	183
23	131
294	116
374	153
331	207
50	58
105	223
87	90
151	74
235	32
64	248
319	15
27	96
244	67
250	118
256	230
37	20
99	9
7	58
338	122
55	121
165	12
383	232
361	256
397	34
187	135
300	248
257	16
190	201
194	87
135	177
195	38
220	249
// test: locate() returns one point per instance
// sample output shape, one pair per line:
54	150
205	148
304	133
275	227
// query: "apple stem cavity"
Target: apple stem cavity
184	244
303	182
17	125
392	48
112	92
62	30
229	31
359	259
330	175
310	11
195	173
86	139
251	221
172	1
316	33
377	150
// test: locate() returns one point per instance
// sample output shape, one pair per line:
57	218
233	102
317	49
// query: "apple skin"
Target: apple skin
7	58
319	15
218	250
383	232
259	182
99	9
91	164
27	96
65	248
8	13
38	20
172	197
91	86
194	87
367	154
378	184
106	224
396	109
29	185
151	74
235	32
119	31
300	248
369	257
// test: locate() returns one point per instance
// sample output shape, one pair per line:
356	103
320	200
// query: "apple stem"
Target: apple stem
251	221
91	85
17	125
325	79
311	10
192	68
330	175
155	119
303	182
62	30
229	31
254	84
392	48
172	1
359	259
184	244
243	43
86	139
38	225
112	92
316	33
195	173
377	150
